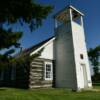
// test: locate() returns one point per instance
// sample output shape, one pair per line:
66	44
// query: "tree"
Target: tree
22	11
94	57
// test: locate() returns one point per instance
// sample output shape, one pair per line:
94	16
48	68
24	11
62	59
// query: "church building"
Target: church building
63	62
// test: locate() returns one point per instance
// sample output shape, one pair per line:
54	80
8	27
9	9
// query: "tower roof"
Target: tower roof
63	11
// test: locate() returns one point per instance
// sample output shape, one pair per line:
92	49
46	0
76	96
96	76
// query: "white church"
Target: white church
68	51
63	63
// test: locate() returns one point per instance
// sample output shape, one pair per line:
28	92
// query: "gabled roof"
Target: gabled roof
35	47
43	44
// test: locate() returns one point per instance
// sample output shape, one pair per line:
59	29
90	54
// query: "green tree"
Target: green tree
94	57
23	11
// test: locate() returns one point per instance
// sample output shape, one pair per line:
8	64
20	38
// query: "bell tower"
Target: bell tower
70	52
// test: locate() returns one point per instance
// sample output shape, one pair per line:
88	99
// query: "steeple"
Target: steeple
71	60
66	14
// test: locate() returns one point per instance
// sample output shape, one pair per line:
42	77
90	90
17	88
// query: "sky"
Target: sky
91	9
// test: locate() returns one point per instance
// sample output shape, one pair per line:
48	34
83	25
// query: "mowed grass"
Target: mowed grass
47	94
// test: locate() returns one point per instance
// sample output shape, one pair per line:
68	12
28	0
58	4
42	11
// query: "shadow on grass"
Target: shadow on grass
2	89
96	84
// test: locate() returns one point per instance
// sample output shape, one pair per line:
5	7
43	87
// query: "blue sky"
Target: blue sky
91	9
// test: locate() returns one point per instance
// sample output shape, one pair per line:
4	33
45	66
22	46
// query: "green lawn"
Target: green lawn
46	94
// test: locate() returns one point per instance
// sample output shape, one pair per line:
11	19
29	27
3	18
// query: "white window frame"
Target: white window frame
51	73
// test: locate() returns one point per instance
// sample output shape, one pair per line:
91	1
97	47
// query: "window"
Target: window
81	56
48	71
1	74
13	73
76	17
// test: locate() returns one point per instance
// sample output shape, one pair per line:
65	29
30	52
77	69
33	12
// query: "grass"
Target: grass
47	94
